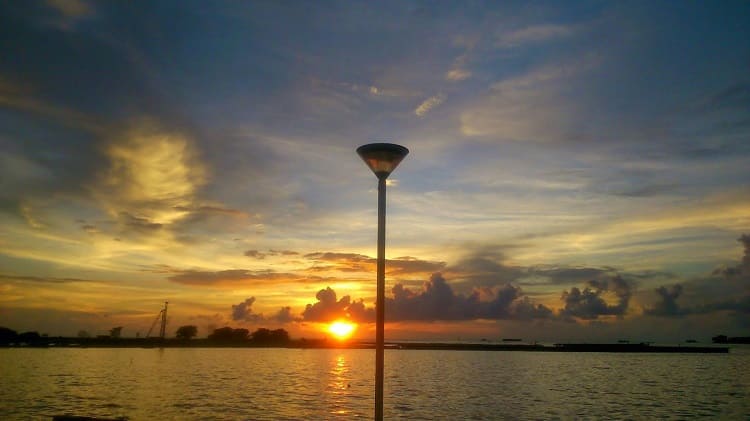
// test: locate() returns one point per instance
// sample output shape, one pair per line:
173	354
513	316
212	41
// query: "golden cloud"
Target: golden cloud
153	175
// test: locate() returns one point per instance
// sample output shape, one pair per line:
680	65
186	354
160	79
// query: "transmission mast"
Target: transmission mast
163	330
163	317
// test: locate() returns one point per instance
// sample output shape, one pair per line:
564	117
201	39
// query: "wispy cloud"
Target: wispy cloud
532	106
429	104
534	34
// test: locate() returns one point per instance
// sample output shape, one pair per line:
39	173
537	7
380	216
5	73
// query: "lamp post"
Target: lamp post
382	158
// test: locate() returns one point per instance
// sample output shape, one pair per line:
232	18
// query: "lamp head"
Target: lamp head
382	158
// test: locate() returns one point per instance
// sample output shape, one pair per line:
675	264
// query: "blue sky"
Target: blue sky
578	170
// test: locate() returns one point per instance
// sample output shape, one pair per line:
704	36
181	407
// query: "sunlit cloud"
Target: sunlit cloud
152	178
429	104
457	75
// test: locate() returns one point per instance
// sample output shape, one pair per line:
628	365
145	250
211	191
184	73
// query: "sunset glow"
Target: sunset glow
342	330
577	170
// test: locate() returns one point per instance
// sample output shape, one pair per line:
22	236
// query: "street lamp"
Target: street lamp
382	158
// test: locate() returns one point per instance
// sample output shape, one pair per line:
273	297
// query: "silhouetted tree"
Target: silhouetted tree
7	335
227	334
29	337
265	336
115	332
187	332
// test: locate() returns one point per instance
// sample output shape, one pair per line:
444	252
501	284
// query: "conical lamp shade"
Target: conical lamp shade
382	158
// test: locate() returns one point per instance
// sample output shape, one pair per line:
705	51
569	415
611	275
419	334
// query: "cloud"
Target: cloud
591	302
353	262
514	108
570	275
485	268
668	305
435	301
284	315
438	301
45	279
153	174
534	34
327	308
429	104
243	311
456	75
71	8
260	255
231	277
255	254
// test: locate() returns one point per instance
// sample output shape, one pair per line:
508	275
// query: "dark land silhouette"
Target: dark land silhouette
279	338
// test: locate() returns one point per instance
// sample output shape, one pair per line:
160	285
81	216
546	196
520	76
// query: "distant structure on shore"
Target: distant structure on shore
724	339
163	317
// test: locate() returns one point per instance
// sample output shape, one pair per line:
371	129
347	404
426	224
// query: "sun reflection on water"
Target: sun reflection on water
339	384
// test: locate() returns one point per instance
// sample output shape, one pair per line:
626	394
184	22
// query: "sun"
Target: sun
341	329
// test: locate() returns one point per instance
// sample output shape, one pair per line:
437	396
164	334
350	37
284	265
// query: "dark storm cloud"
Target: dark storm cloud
590	303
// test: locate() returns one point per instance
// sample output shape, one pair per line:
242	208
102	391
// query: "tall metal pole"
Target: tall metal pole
380	303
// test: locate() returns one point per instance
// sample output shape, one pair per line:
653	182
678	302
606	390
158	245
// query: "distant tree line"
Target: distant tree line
261	336
184	336
9	336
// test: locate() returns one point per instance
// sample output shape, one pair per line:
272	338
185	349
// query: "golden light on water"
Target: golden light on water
342	330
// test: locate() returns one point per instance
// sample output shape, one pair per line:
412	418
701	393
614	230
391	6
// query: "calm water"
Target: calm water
338	384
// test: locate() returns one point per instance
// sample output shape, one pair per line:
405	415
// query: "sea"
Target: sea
323	384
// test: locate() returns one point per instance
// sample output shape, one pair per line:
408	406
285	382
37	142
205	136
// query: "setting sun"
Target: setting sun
342	330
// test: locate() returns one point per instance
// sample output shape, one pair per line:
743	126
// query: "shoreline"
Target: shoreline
324	344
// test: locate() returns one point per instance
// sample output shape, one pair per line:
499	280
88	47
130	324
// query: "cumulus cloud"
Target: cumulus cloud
667	306
284	315
435	301
438	301
591	302
243	311
328	307
428	104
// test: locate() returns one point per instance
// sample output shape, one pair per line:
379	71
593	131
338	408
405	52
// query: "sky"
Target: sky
577	170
